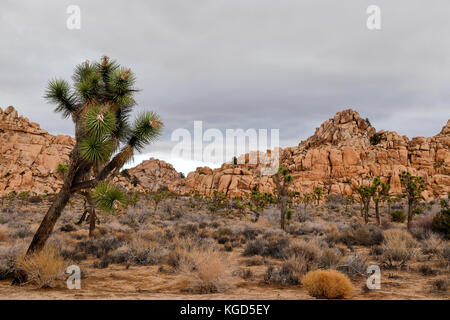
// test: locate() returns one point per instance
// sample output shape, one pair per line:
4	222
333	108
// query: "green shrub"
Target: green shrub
441	222
398	216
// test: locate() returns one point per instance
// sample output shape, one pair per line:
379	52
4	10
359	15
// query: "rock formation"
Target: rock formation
343	153
29	155
151	175
339	157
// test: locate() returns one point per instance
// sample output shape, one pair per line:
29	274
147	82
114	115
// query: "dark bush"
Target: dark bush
284	275
398	216
441	222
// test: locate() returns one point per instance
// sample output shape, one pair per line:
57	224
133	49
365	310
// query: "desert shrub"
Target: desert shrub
43	268
426	270
398	216
444	255
22	232
255	247
68	227
431	243
440	285
206	269
277	248
73	255
8	256
375	139
329	258
188	230
329	284
103	263
310	227
366	235
353	265
441	222
308	250
148	256
134	218
223	232
245	274
254	261
35	199
398	247
422	226
250	232
285	275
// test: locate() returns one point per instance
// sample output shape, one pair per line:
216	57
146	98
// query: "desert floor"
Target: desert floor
179	251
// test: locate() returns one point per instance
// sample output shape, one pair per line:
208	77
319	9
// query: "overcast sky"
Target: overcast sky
284	64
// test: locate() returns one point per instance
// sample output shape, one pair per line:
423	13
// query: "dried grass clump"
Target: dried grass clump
308	250
43	268
8	257
432	243
329	284
207	271
398	247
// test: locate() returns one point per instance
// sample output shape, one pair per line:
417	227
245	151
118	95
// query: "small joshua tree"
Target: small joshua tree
307	199
365	195
380	192
99	103
349	200
258	202
318	192
160	195
282	181
413	187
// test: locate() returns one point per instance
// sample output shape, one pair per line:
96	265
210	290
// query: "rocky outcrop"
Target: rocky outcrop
149	176
339	157
29	155
342	154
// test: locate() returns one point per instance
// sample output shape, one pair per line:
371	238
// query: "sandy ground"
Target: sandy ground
146	282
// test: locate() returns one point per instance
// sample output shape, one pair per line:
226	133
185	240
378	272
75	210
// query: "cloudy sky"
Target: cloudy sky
283	64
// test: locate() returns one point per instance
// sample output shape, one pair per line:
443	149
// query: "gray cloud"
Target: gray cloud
241	64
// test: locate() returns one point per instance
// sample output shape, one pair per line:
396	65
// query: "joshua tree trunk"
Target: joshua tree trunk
283	212
410	214
366	212
92	215
54	212
377	213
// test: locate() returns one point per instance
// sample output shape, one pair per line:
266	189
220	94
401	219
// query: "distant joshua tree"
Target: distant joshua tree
99	103
413	187
283	179
380	194
365	195
318	192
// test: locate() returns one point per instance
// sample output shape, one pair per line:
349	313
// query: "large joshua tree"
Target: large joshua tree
99	103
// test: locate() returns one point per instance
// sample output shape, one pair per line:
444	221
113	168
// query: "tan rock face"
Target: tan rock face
29	155
151	175
338	158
